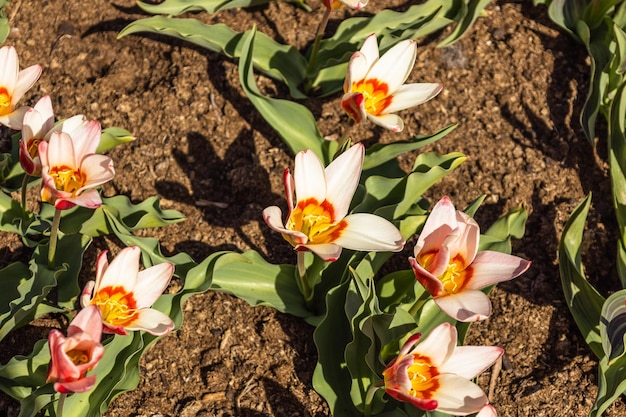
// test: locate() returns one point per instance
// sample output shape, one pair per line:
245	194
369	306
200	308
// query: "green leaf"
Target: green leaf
498	236
4	22
613	325
379	154
177	7
251	278
144	215
293	122
611	384
281	62
466	18
584	302
22	375
113	136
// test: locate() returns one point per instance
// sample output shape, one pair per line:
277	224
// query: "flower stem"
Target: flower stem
60	405
304	282
419	303
316	44
344	141
367	411
24	189
52	247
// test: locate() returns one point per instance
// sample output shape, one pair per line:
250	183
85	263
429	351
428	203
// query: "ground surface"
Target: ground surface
513	86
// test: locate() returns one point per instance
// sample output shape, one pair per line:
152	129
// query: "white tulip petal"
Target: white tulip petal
491	267
342	179
395	65
388	121
367	232
470	361
151	282
439	224
309	177
9	68
458	396
58	152
273	217
96	169
438	345
468	305
122	271
329	252
151	321
410	95
25	80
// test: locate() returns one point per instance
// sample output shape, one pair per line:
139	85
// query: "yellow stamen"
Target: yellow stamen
5	101
118	307
78	357
67	179
454	278
422	374
375	95
316	220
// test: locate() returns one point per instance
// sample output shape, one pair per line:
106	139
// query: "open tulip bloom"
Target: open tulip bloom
13	85
124	294
318	219
75	355
374	87
71	169
447	263
435	373
335	4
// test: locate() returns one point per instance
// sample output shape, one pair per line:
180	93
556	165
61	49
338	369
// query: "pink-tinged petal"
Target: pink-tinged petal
329	252
31	166
367	232
59	151
88	199
273	217
80	385
439	344
395	65
102	263
369	50
468	305
14	120
151	321
469	361
9	67
391	122
466	244
431	283
86	138
309	177
440	223
487	411
491	267
97	169
342	178
410	95
151	283
358	67
353	104
32	124
458	396
111	329
123	270
25	80
68	125
87	294
354	4
401	395
88	321
290	187
61	367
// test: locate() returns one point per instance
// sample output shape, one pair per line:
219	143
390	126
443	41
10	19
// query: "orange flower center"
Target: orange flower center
5	101
316	220
422	374
118	307
78	357
66	179
375	95
455	276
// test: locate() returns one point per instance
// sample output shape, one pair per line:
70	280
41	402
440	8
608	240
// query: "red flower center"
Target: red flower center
375	94
118	307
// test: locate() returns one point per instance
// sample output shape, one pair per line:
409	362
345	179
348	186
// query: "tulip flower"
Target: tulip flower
78	353
447	263
374	86
38	125
13	85
434	373
318	220
124	294
71	169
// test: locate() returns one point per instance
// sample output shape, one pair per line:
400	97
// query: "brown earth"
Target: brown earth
515	86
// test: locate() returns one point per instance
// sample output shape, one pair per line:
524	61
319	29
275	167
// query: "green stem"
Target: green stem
24	189
60	405
344	141
316	44
367	411
53	238
419	303
304	282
